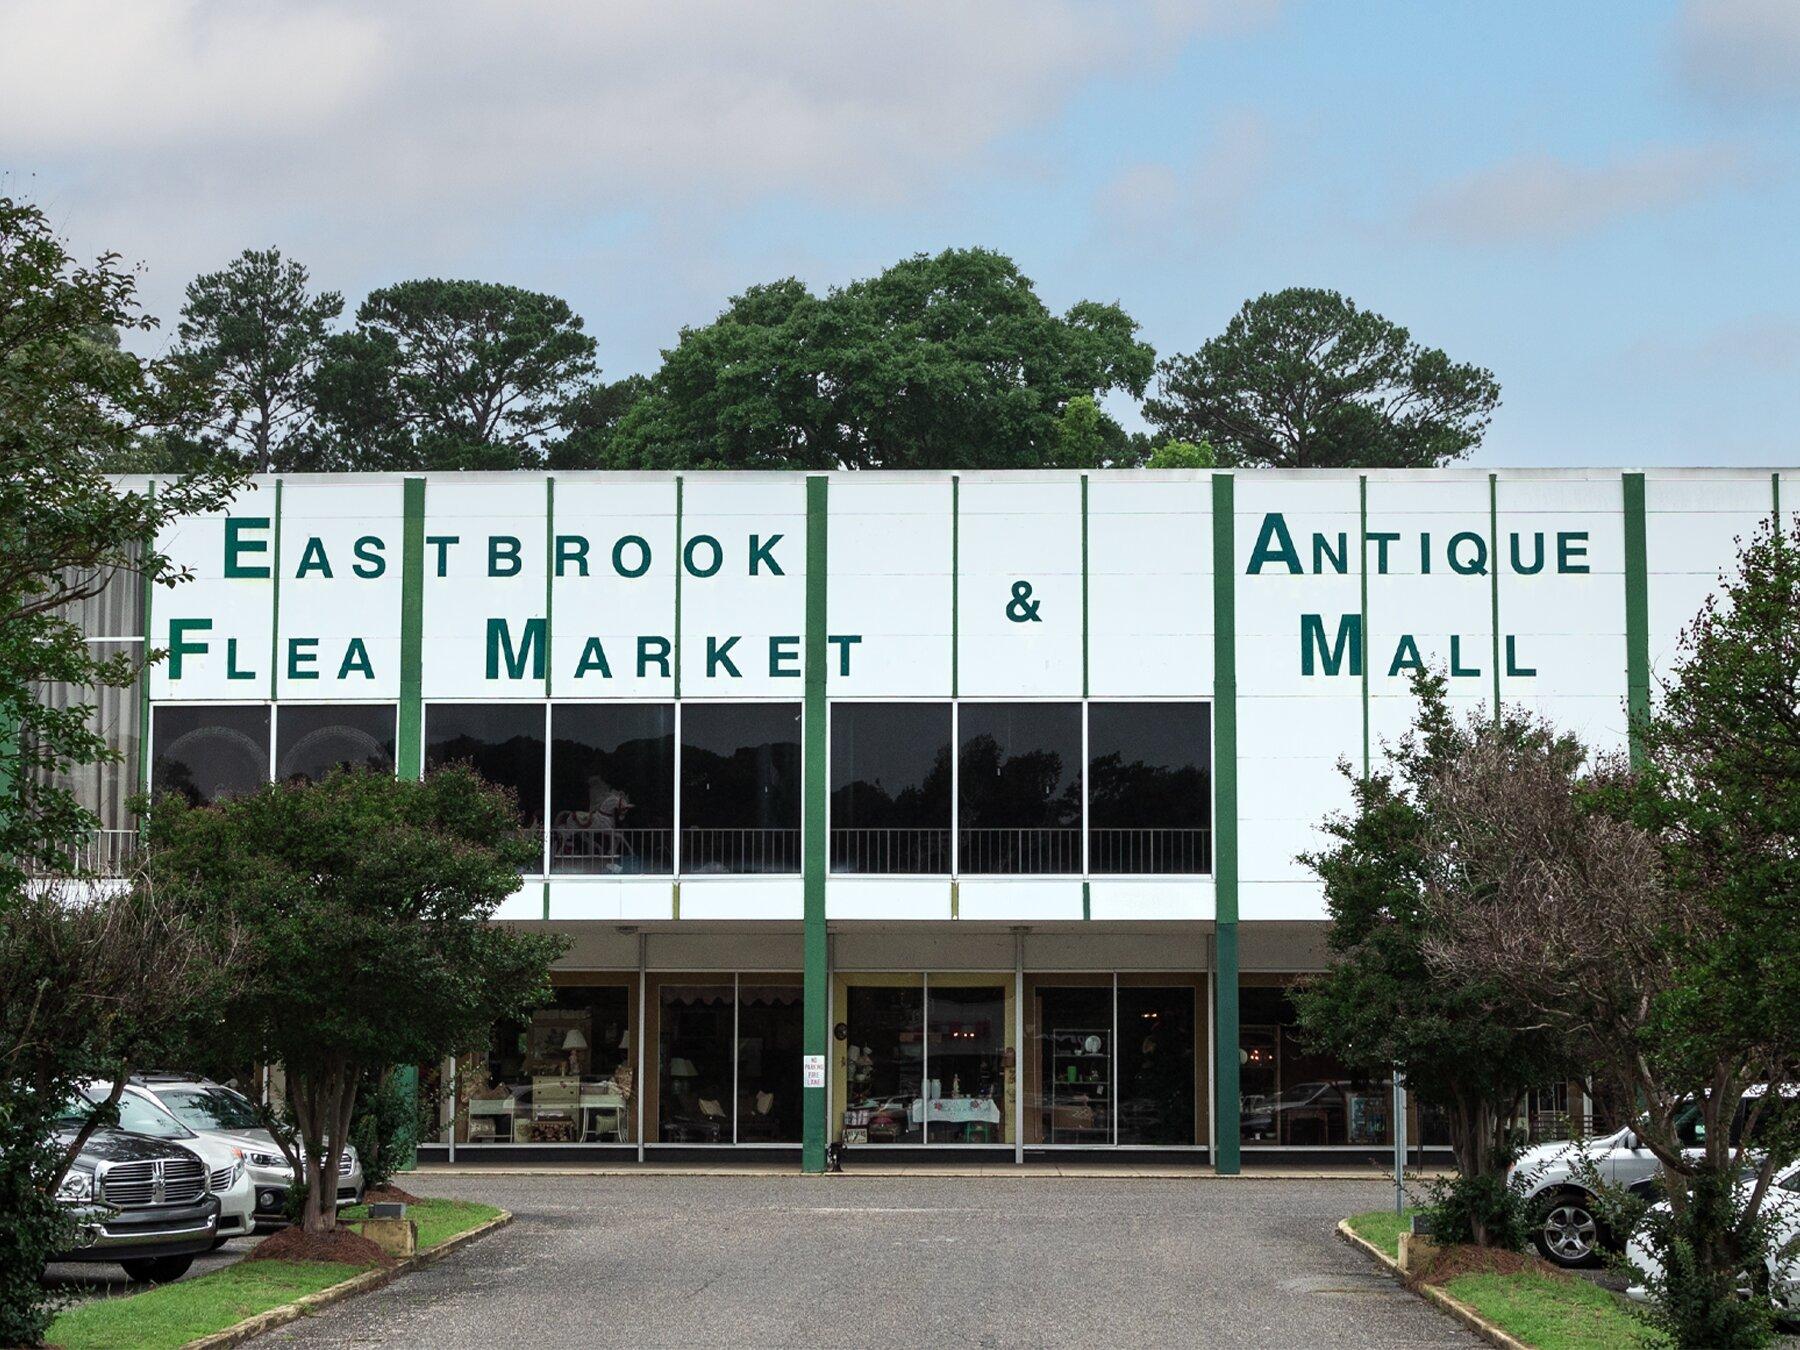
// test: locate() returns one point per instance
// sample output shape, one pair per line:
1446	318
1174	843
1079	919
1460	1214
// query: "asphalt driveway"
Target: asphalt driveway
914	1261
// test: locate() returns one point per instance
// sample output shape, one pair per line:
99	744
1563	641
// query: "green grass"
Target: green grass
171	1315
438	1220
1552	1312
1382	1228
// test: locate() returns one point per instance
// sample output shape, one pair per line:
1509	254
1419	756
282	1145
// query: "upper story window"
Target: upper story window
206	751
1019	787
890	787
612	788
503	742
740	787
313	739
1149	788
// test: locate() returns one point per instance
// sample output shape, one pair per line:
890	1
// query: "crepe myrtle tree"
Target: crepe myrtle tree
1647	913
364	903
1466	1045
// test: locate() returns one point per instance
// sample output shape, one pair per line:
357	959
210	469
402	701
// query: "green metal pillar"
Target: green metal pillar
410	752
1226	1106
817	996
1637	614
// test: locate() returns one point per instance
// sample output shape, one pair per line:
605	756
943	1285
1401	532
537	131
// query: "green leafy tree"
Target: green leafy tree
363	902
1467	1046
938	362
592	420
251	338
1303	379
1184	455
453	375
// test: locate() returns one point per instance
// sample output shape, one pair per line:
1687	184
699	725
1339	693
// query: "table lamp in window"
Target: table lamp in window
573	1044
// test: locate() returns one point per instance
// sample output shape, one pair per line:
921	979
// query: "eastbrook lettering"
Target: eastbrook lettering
511	654
1463	553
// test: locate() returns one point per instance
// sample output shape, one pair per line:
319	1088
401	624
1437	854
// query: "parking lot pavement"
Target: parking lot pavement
883	1261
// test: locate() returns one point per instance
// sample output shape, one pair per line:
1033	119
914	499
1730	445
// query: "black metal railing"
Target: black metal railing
755	850
600	851
1150	851
877	851
1051	850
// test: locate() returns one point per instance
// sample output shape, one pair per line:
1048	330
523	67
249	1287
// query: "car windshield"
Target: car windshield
210	1108
138	1114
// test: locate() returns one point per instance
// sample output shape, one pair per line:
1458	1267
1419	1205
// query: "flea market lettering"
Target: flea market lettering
514	652
1462	553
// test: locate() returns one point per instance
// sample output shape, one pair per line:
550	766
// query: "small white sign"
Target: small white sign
813	1067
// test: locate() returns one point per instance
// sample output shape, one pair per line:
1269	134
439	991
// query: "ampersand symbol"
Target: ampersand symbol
1022	608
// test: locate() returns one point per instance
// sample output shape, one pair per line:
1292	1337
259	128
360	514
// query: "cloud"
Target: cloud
1542	199
1156	206
1739	51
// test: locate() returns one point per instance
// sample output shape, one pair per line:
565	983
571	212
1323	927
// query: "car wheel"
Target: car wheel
1570	1234
157	1269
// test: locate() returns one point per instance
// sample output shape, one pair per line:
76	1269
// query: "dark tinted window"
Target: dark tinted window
1156	1065
612	788
890	787
207	751
740	787
1149	787
503	741
1020	785
311	741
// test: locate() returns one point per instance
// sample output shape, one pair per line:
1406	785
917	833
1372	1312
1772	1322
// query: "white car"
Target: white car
225	1114
228	1174
1570	1233
1782	1204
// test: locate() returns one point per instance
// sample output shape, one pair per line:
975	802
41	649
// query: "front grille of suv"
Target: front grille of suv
221	1177
133	1184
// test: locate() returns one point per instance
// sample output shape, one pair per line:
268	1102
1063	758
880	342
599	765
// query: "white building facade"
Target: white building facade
914	811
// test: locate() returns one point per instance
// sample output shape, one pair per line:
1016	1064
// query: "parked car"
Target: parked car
223	1113
142	1200
1570	1232
227	1165
1783	1207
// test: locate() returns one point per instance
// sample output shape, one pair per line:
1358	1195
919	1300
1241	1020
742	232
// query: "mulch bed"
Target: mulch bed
392	1195
340	1244
1447	1263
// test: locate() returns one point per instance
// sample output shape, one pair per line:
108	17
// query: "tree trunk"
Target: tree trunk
323	1104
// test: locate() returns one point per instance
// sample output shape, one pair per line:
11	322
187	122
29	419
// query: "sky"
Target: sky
1600	202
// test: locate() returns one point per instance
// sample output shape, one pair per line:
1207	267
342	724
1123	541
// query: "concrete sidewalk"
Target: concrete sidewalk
866	1170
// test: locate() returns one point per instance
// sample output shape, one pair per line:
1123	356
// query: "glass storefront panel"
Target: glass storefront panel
313	739
1295	1097
884	1064
966	1100
1157	1065
1149	788
769	1050
503	742
1073	1101
740	787
612	789
205	752
564	1076
1019	787
890	787
694	1045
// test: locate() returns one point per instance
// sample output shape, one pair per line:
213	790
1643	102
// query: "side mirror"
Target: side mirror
1632	1142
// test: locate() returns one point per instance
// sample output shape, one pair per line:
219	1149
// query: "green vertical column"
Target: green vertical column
149	596
275	601
1637	614
1225	838
1362	567
410	753
1493	586
817	995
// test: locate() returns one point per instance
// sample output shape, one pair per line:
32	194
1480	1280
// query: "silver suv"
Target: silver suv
224	1113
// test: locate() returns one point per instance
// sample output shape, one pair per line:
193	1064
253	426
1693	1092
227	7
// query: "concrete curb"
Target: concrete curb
896	1170
1461	1311
307	1304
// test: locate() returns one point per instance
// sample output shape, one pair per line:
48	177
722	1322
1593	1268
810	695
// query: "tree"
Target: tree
1467	1046
364	903
71	401
1184	455
453	375
252	337
1303	379
938	362
1649	916
592	420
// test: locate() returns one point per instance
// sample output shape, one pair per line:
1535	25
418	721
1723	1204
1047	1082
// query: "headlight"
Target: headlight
268	1160
76	1187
